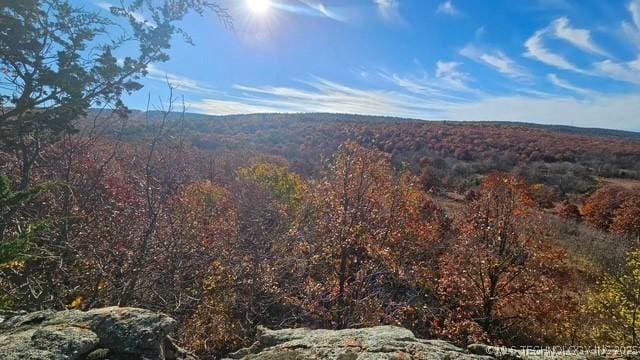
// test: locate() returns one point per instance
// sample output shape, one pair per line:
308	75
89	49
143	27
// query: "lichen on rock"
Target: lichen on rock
115	333
380	342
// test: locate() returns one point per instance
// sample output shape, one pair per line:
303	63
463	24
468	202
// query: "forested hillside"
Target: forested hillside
454	155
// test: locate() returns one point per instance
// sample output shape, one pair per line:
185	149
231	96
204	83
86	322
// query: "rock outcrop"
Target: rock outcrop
112	333
116	333
381	342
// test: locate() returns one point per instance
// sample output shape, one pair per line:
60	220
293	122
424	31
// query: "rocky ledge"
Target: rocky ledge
381	342
116	333
112	333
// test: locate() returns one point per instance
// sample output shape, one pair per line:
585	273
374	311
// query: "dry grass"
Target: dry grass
625	183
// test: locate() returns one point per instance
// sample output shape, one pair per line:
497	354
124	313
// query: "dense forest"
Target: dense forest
457	154
502	233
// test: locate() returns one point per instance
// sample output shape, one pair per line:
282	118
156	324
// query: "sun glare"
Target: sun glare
259	7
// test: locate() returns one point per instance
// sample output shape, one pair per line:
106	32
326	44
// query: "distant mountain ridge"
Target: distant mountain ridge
457	154
575	130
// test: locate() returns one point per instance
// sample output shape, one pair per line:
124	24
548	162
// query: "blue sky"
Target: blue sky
543	61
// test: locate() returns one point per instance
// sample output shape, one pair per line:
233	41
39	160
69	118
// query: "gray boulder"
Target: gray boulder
375	343
113	333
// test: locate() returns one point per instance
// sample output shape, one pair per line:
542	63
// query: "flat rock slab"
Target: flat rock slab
375	343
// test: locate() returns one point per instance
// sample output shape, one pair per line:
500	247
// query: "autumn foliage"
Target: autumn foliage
503	280
615	209
228	240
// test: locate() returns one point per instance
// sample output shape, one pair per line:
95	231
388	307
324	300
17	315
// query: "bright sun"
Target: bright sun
259	7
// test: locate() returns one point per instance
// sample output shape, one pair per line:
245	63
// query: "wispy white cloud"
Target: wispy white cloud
321	95
448	82
631	30
495	59
621	71
412	84
389	10
177	81
530	92
555	80
449	73
322	9
538	51
448	8
580	38
229	107
634	8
